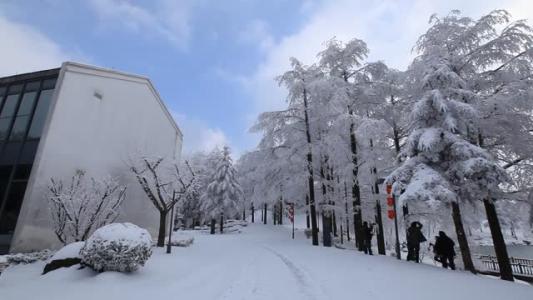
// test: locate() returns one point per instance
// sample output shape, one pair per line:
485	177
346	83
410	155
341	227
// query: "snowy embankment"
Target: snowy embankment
261	263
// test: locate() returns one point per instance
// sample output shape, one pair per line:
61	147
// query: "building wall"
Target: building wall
99	136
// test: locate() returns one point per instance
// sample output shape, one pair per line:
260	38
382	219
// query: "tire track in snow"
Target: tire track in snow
306	286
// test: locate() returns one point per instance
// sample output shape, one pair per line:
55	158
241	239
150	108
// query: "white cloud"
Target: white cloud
198	136
25	49
389	27
257	33
167	18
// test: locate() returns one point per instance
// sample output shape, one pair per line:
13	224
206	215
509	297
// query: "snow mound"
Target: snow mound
122	247
71	250
180	239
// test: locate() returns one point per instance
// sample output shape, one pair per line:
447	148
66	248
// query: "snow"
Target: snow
261	263
71	250
123	232
180	239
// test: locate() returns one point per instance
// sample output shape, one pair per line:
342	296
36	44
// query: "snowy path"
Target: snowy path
261	263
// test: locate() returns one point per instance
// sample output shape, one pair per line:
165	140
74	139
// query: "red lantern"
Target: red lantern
391	214
389	188
390	201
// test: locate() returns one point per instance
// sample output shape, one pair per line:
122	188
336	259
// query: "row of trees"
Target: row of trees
452	133
201	191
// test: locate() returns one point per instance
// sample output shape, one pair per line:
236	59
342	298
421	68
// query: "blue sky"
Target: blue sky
213	62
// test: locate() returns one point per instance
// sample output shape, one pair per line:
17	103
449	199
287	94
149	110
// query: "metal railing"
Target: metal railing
520	266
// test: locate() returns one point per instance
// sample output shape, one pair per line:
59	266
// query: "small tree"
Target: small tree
164	187
223	193
82	206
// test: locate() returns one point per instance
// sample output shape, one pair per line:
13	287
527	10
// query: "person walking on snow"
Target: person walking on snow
367	235
444	251
414	238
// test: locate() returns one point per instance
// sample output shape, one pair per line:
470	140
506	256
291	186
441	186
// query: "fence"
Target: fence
520	266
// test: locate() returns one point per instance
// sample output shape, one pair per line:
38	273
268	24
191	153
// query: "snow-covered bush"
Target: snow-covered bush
27	258
122	247
80	206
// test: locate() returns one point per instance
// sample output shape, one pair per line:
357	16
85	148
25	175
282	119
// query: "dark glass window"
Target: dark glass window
49	84
26	106
19	128
32	86
15	89
5	171
23	112
12	207
10	153
40	114
4	127
23	172
28	152
10	106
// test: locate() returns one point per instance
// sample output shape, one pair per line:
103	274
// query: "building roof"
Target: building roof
29	76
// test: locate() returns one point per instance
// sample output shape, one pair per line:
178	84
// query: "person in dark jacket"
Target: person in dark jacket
414	238
367	234
444	251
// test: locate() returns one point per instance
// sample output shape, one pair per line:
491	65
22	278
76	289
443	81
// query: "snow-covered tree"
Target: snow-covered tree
83	205
443	167
223	194
189	212
164	185
483	69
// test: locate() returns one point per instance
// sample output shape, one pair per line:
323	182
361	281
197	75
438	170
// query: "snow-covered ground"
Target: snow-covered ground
262	262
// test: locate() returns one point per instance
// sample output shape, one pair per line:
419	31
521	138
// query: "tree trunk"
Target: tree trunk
310	179
281	212
244	214
334	224
356	192
162	228
461	238
307	220
221	223
265	214
380	235
346	211
262	215
500	248
396	137
326	229
342	233
274	214
213	223
253	213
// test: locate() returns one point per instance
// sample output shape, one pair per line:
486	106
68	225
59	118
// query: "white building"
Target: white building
76	117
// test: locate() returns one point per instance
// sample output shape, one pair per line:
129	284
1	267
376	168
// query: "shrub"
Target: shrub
122	247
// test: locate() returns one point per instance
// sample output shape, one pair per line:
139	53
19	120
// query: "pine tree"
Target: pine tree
443	167
223	194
